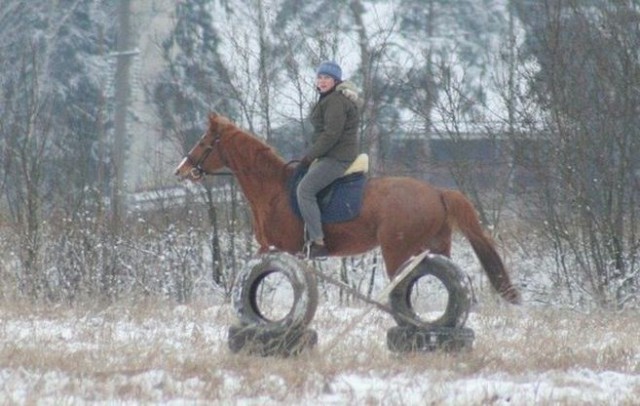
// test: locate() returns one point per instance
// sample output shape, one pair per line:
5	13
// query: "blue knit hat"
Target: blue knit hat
330	68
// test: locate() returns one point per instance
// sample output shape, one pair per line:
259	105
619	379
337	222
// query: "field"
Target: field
161	352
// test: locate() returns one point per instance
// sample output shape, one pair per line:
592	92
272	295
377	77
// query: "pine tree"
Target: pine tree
56	56
195	81
462	36
52	106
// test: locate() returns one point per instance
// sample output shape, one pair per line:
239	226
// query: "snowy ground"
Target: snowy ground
171	354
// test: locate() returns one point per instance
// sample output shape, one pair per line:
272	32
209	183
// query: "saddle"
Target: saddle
342	199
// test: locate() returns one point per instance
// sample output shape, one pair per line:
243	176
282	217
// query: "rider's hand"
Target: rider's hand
305	161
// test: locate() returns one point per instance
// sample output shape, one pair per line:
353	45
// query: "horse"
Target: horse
404	216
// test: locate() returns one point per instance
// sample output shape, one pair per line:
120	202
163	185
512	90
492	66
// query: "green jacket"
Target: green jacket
335	120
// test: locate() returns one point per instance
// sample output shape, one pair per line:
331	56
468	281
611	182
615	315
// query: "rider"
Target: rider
334	145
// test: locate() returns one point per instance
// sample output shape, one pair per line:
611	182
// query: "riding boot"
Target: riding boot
316	250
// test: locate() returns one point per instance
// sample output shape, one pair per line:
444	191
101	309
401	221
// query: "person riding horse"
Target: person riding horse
334	146
403	216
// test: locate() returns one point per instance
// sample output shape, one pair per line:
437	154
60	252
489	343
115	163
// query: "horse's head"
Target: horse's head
206	156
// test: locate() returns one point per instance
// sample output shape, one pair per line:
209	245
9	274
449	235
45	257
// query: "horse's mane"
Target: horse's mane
259	153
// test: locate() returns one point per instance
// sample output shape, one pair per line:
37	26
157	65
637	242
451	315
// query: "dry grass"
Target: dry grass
158	351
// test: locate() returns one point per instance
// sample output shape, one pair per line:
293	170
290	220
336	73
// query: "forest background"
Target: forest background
531	108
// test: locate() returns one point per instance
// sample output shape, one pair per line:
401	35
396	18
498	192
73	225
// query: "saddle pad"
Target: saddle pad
340	201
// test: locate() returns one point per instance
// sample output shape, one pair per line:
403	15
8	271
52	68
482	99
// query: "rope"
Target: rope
352	291
332	344
406	269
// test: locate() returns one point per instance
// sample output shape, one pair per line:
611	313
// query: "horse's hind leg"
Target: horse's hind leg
393	258
441	242
396	253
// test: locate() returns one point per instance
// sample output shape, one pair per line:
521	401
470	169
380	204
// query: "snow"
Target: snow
156	351
177	354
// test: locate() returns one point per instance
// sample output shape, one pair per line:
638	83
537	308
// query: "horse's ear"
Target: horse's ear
214	113
214	120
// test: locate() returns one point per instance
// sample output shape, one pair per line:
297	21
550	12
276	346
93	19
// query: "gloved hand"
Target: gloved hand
305	161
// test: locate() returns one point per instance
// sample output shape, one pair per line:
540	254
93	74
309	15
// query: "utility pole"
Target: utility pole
124	57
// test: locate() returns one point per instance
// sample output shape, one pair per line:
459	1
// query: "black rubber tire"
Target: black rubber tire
411	339
303	284
452	278
255	340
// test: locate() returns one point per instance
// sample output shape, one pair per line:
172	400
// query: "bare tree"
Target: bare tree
588	198
26	134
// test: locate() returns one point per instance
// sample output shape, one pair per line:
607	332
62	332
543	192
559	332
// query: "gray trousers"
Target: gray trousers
321	173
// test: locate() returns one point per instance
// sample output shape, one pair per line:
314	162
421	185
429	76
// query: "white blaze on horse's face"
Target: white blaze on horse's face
192	166
184	169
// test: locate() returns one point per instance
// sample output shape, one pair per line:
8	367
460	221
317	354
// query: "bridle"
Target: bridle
197	171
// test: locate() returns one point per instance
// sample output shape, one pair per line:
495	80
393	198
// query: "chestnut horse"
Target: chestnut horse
402	215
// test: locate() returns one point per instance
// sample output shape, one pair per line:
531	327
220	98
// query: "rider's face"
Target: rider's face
324	83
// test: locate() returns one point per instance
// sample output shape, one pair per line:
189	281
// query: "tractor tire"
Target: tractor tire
403	339
265	342
453	279
303	285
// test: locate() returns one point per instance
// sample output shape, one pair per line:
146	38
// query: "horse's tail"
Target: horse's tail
462	215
